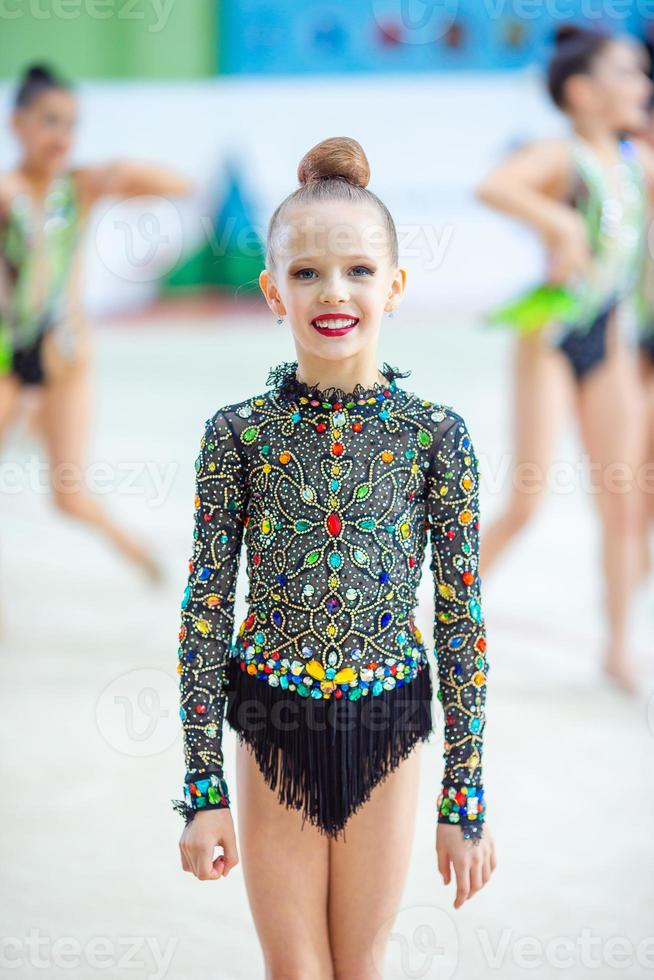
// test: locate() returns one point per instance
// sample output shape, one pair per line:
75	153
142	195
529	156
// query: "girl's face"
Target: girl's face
333	277
45	129
618	86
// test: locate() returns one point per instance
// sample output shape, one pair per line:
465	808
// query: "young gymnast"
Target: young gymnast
44	335
577	336
336	476
646	321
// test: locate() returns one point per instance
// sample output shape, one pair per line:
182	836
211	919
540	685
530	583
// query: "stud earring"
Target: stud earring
280	320
390	313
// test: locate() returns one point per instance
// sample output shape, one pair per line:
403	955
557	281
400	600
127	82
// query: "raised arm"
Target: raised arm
533	184
207	617
459	628
129	178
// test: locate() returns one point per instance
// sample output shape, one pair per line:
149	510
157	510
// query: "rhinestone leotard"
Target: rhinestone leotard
335	494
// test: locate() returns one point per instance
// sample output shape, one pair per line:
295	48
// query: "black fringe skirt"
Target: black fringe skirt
334	751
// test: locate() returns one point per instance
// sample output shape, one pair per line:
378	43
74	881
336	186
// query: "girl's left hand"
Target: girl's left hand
473	863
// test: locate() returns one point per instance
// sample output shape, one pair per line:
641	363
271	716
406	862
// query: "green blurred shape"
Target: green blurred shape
105	39
233	255
534	309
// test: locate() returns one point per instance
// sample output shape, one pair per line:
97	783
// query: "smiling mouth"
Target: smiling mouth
331	321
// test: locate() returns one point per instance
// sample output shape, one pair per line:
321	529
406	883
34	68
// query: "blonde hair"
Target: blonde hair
336	169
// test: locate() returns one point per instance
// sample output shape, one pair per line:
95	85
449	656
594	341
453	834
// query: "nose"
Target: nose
334	290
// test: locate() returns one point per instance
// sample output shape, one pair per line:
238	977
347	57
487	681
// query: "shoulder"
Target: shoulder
236	421
436	416
235	414
643	153
445	430
10	186
541	158
550	149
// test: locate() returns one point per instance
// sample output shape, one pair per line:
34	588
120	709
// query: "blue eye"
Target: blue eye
363	268
300	273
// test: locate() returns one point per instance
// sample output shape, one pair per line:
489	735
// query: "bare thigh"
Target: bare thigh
612	412
647	377
9	391
368	872
543	395
286	873
66	411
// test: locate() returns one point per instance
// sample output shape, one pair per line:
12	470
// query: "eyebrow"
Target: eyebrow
345	258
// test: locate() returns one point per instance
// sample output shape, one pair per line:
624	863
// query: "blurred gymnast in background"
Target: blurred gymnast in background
577	334
45	340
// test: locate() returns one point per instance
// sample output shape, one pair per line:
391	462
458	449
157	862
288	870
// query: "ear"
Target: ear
580	91
270	291
15	122
396	291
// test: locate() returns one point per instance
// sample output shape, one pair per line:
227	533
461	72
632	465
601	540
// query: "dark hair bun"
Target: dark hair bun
568	32
338	156
573	32
38	73
35	80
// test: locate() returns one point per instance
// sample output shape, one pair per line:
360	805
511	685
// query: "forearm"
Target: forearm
207	615
459	627
544	213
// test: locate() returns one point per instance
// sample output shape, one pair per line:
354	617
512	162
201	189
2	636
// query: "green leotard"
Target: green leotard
36	255
616	232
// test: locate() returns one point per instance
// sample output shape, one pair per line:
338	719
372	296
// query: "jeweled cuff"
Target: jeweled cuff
210	793
463	805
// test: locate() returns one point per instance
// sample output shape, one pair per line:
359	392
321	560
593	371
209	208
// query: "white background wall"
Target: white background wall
429	138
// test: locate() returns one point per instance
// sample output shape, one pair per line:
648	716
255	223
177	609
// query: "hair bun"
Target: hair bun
338	156
567	32
573	32
40	73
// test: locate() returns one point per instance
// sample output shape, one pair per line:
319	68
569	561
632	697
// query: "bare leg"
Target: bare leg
286	873
368	872
647	377
9	390
66	410
542	395
613	430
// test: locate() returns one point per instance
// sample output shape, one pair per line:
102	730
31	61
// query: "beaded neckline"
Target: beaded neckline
283	377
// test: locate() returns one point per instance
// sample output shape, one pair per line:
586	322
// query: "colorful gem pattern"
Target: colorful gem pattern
335	495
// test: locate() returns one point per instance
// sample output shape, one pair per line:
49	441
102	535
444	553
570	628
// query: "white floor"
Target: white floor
91	883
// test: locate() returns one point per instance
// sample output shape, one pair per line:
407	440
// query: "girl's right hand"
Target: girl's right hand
208	829
569	249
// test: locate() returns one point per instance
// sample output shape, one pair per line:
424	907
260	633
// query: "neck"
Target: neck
360	368
36	175
602	138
